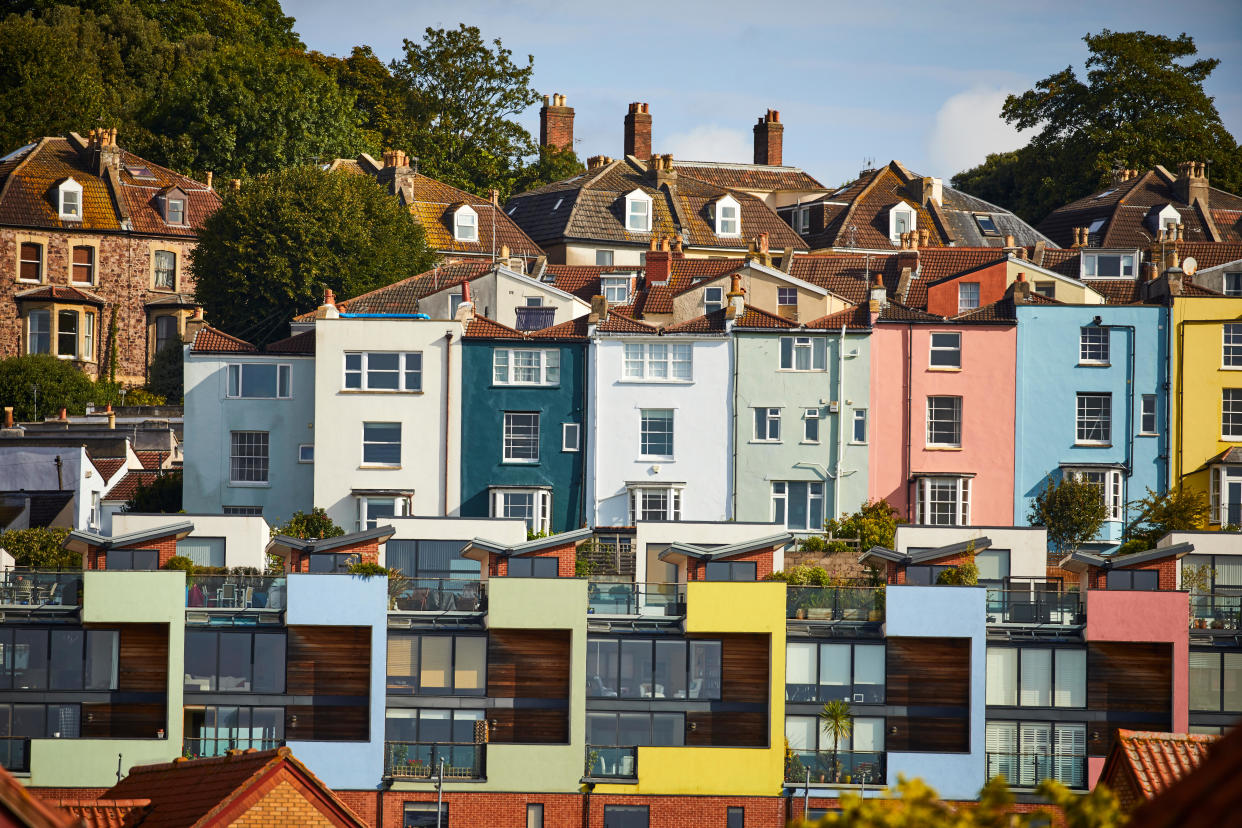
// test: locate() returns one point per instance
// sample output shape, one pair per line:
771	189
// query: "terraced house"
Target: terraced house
90	233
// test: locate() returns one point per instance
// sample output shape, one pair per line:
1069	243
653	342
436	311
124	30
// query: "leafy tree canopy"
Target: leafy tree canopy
1140	103
166	377
59	383
1179	509
305	230
1072	511
874	524
161	496
316	524
40	548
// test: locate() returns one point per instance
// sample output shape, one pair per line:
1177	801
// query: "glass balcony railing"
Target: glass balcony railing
848	767
219	746
1025	606
1026	770
15	755
613	598
612	762
35	588
235	592
1216	611
421	760
843	603
439	595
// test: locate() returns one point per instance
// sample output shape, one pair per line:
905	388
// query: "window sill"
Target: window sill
243	484
942	448
645	458
945	369
764	442
519	462
1080	444
1094	364
802	370
1148	434
511	385
352	391
378	467
856	443
1231	367
809	443
636	381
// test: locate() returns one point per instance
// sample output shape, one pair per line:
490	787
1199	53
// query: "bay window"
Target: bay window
1226	495
942	501
658	361
655	503
1107	481
39	332
534	506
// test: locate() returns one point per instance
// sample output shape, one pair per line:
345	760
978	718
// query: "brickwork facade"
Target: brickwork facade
566	557
896	573
696	570
556	123
366	550
281	806
97	558
1167	568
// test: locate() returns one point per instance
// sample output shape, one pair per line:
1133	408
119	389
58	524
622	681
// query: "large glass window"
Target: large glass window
1108	482
655	503
944	421
256	380
383	371
1146	580
656	436
213	730
248	457
58	659
431	725
381	444
1094	419
234	662
821	672
130	560
511	366
1215	681
1093	345
430	559
946	349
1026	753
804	353
202	551
798	504
67	333
39	332
635	729
643	668
531	505
659	361
521	437
1231	414
438	665
768	425
942	501
1036	677
731	571
1107	265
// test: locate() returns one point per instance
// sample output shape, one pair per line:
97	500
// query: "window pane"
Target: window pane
258	380
1205	680
834	672
269	663
1002	676
102	648
668	729
436	657
1036	687
200	661
801	658
601	729
1231	681
602	668
869	672
234	662
67	659
636	669
670	670
30	660
704	669
471	664
1071	678
634	729
402	662
801	732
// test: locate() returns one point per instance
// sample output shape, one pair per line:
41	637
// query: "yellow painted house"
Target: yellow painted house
1205	369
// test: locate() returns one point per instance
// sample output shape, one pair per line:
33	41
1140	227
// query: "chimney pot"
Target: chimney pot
1009	240
209	177
8	416
504	252
493	196
64	415
769	139
638	131
235	184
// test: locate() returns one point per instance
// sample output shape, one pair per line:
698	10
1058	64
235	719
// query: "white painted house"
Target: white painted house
56	478
215	540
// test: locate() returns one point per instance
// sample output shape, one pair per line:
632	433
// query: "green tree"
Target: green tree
874	524
1072	511
837	722
1140	103
40	548
161	496
58	383
1179	509
552	164
304	229
315	524
384	103
166	376
465	95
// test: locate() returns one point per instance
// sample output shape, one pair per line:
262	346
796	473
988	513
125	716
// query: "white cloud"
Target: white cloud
967	128
707	143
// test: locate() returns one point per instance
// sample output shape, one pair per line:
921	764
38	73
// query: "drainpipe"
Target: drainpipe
909	420
733	430
836	484
448	408
1129	464
583	433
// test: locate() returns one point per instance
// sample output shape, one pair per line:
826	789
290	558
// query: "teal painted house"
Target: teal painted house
802	429
522	423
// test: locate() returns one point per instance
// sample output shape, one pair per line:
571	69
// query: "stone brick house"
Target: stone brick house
87	230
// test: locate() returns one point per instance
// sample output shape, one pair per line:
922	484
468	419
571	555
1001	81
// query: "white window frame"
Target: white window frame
235	375
168	211
306	452
1231	347
511	440
67	187
1107	480
1107	415
1090	267
400	508
540	516
675	494
800	219
1222	475
1231	415
603	258
923	504
546	366
713	298
373	464
783	294
957	418
897	211
1234	277
638	221
860	417
88	335
465	224
642	431
45	331
266	460
571	436
809	416
1149	408
965	302
616	289
767	424
1094	345
728	217
657	362
781	495
933	349
409	362
814	348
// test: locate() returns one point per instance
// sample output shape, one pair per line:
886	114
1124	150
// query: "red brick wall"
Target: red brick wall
122	280
1167	567
769	140
897	574
556	126
638	131
167	547
368	550
696	570
1058	819
566	555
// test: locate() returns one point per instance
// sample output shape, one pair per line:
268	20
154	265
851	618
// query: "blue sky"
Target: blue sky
920	82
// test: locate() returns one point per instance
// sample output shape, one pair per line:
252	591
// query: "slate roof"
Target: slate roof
403	296
1124	207
59	293
29	181
757	177
303	343
590	206
209	340
1155	760
432	204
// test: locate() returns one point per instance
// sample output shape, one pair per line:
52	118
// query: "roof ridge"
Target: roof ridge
229	336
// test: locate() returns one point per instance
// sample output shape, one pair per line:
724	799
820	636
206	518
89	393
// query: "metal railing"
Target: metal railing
15	755
848	767
220	745
856	693
612	761
421	760
839	603
1026	770
1026	606
244	592
439	595
1215	611
40	588
622	598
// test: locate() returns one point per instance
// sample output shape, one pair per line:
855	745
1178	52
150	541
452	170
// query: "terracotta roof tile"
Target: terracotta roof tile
1211	254
403	296
749	176
1002	310
116	813
58	293
846	275
685	274
23	807
570	329
714	322
1158	760
303	343
107	466
758	318
897	312
483	328
857	317
152	460
128	485
620	323
583	280
209	340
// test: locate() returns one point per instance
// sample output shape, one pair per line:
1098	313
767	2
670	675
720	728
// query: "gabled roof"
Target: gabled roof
1000	311
856	318
897	312
583	281
527	547
117	201
754	317
1155	761
713	553
709	323
107	466
620	323
1211	254
310	546
195	792
403	296
78	540
303	343
108	813
21	807
1079	561
210	340
920	556
1196	790
127	486
59	293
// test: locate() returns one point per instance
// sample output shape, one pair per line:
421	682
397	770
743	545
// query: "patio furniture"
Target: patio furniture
226	596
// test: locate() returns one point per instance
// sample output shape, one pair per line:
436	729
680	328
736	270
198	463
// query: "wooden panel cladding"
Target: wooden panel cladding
528	664
143	658
937	734
745	666
329	661
529	727
928	671
1130	677
727	729
122	721
1100	735
327	723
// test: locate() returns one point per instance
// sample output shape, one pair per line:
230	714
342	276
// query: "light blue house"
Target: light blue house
1092	402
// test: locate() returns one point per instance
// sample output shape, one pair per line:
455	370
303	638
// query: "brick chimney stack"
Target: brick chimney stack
638	131
556	123
104	152
736	297
397	170
1192	182
769	139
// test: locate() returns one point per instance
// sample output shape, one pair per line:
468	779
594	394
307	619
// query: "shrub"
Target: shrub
315	524
367	569
40	548
59	383
182	563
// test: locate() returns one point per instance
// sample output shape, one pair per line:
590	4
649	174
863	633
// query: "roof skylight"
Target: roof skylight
17	153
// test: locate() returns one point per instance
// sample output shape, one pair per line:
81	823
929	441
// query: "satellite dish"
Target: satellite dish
1189	265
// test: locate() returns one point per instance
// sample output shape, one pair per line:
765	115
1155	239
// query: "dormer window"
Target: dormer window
70	195
466	224
616	289
638	212
728	220
713	299
1167	218
174	201
987	225
901	219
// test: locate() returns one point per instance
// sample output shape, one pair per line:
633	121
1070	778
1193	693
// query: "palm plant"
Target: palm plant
837	722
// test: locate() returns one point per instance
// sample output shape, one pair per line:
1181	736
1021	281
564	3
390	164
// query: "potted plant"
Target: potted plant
837	722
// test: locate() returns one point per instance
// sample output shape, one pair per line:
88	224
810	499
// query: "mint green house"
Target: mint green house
801	422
